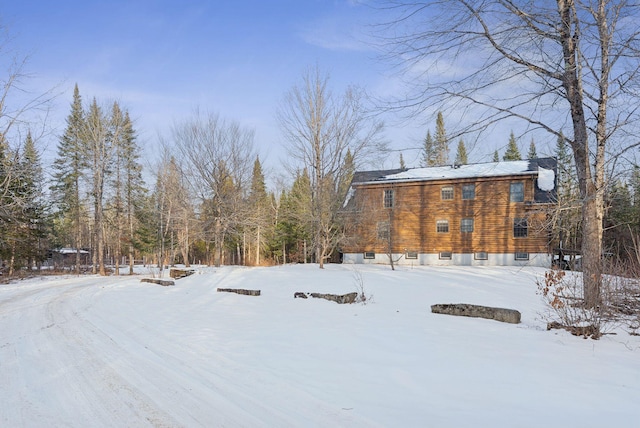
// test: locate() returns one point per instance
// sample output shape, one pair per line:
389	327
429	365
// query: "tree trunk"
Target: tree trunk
218	244
258	247
592	215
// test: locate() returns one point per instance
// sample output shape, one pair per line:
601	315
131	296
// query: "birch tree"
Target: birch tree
553	65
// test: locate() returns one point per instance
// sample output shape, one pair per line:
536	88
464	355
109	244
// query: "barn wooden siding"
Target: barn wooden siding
418	206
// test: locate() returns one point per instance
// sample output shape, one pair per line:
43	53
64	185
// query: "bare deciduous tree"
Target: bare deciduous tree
564	65
320	131
217	157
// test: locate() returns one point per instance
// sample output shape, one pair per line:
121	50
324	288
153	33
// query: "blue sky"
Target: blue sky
163	59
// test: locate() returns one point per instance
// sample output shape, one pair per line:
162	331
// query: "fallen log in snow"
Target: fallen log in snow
177	273
240	291
163	282
462	309
338	298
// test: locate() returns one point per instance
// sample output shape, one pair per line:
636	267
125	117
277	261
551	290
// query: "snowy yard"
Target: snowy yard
91	351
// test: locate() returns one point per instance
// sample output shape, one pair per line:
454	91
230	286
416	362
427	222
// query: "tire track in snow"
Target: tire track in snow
57	372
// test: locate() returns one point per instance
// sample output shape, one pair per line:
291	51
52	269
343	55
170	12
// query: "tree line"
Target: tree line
568	68
208	201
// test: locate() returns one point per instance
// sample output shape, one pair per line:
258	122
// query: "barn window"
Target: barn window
389	198
466	225
446	193
516	193
522	256
481	255
520	228
442	226
445	255
468	191
369	255
412	255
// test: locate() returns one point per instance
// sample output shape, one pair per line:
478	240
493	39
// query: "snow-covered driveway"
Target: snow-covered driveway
90	351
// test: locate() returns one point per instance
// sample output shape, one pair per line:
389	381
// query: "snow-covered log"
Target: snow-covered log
163	282
462	309
338	298
240	291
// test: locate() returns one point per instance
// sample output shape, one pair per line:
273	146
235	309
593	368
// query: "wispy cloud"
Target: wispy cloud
337	33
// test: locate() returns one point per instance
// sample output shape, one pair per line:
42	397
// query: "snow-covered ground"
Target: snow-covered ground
91	351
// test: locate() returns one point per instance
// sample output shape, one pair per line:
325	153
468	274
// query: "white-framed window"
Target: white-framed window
369	255
445	255
412	255
446	193
481	255
383	230
389	198
468	191
522	256
520	228
442	226
466	225
516	192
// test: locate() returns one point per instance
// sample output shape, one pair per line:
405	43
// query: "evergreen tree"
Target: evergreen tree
348	169
402	164
134	187
294	228
35	221
461	154
496	156
260	214
568	218
10	205
512	153
635	191
127	184
618	220
441	142
116	128
429	153
68	173
99	139
533	154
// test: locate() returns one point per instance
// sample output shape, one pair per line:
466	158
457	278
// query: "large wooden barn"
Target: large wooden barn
479	214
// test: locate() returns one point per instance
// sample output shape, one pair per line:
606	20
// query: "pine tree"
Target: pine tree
348	169
116	128
10	204
634	184
461	154
441	142
68	173
512	153
429	153
496	156
99	138
294	227
532	151
134	187
402	164
568	218
34	210
618	219
259	209
127	184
